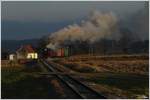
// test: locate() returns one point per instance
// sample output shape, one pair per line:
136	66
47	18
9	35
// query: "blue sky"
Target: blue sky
25	20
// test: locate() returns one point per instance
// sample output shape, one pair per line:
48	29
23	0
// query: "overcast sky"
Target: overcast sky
22	20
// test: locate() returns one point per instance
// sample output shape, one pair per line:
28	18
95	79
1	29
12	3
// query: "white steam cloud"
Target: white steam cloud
98	25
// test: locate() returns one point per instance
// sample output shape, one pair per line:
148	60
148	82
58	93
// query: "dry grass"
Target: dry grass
125	64
124	85
109	57
109	92
79	67
127	80
133	66
57	87
8	63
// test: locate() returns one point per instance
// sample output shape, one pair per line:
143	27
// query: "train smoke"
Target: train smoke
98	25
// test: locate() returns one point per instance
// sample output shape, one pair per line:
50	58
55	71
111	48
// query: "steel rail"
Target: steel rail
78	87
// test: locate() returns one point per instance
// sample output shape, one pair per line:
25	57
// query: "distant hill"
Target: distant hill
13	45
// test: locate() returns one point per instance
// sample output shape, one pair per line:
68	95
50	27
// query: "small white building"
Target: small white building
12	57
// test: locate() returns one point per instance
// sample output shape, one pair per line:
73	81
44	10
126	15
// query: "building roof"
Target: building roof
28	48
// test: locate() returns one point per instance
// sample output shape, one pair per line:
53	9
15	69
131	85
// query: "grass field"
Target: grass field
119	64
126	85
23	83
123	76
115	77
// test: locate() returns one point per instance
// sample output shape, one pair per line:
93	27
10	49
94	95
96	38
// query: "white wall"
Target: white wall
12	57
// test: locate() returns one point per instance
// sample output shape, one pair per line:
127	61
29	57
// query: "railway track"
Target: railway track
76	86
